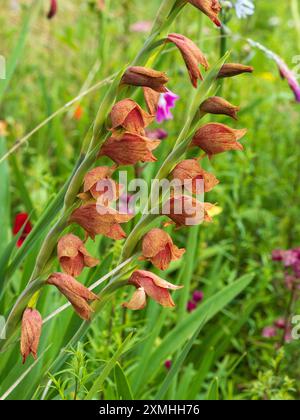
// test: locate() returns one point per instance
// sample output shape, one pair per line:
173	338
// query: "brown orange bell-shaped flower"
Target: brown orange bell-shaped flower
158	247
129	149
77	294
146	77
216	138
151	99
192	56
100	220
148	284
210	8
73	256
184	210
190	173
99	186
219	106
129	116
31	329
233	69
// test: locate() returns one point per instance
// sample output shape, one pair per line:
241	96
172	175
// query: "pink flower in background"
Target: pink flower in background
198	296
53	9
269	332
157	134
290	77
280	324
166	103
143	26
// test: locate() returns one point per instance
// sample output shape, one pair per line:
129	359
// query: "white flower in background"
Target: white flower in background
244	8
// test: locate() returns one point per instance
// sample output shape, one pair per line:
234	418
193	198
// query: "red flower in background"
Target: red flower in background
53	9
22	223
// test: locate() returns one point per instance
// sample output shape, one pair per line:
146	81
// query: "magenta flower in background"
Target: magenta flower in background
198	296
269	332
191	306
168	364
53	9
290	77
165	104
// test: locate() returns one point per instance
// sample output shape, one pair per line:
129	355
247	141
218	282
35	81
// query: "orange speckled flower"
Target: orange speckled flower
99	186
158	247
189	171
73	256
187	211
77	294
148	284
192	56
129	116
130	149
100	220
216	138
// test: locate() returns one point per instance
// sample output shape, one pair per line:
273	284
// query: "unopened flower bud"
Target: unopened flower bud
143	76
234	69
53	9
219	106
30	332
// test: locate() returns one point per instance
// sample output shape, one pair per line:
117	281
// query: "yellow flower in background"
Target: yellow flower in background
3	129
268	76
215	211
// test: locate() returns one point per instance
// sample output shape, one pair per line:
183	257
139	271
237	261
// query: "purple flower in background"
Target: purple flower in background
198	296
143	26
290	77
165	104
191	306
157	134
269	332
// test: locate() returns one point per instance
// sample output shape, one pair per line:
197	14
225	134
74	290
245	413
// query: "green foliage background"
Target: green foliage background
218	346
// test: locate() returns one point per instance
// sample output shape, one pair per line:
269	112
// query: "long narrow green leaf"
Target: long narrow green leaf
123	387
97	386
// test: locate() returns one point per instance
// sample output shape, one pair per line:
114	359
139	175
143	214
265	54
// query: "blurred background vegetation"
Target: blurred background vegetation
258	197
